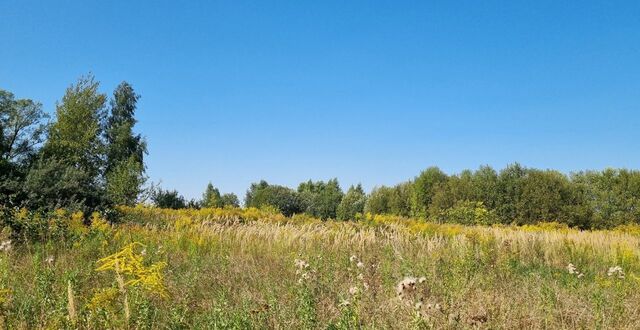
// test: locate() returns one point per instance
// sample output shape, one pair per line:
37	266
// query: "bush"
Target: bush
468	213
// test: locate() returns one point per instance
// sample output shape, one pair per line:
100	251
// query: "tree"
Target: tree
467	213
124	168
399	200
74	146
168	199
321	199
286	200
424	188
352	203
378	200
509	193
230	200
21	128
211	197
21	131
613	195
485	186
74	137
124	182
52	183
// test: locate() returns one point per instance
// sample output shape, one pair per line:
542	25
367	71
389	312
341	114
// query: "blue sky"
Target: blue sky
365	91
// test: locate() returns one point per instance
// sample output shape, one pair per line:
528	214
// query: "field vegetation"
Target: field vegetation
252	268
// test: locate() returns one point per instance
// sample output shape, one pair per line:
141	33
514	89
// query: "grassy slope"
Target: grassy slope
225	269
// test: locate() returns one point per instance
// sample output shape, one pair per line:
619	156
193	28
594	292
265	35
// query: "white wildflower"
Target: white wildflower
299	263
353	258
360	264
5	246
406	286
353	290
615	271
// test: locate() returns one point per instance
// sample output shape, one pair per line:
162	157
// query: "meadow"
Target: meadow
250	268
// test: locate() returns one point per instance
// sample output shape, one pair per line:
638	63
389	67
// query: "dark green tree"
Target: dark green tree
321	199
284	199
21	131
75	147
230	200
509	192
125	150
169	199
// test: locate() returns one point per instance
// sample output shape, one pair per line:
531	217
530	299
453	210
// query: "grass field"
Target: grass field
242	269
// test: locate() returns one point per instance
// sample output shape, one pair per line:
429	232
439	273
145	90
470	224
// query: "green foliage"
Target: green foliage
425	187
51	183
230	200
613	195
352	203
124	169
286	200
321	199
21	128
86	162
21	131
390	200
124	181
468	213
211	197
509	192
378	201
168	199
92	160
74	149
74	137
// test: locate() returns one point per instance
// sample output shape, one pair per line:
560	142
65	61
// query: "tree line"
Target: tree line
88	157
514	195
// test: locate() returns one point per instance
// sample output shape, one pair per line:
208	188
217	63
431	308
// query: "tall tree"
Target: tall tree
75	146
352	203
211	197
21	127
509	192
425	187
378	200
286	200
21	131
125	150
230	199
168	199
321	199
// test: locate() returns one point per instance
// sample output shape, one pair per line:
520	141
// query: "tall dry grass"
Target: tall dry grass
253	269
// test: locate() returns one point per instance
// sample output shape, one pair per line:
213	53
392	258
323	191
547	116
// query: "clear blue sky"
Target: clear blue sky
365	91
